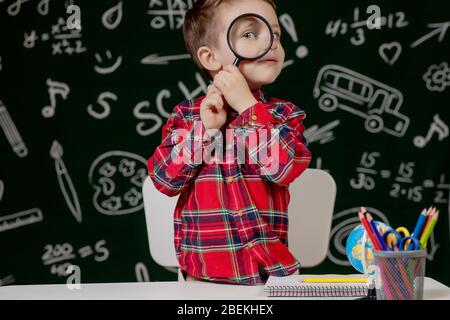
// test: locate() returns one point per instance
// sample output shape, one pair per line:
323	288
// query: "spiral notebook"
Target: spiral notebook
296	285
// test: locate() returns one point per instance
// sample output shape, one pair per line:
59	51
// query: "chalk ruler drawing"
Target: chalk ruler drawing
439	28
15	7
11	133
62	39
390	52
57	256
113	169
343	223
288	23
65	182
437	126
379	104
141	272
8	280
437	77
20	219
395	20
113	16
54	88
169	12
110	69
323	135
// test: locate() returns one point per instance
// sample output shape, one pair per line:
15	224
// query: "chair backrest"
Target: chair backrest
310	213
310	216
159	209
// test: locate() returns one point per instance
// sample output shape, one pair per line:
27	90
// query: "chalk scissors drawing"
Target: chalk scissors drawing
11	133
65	181
339	87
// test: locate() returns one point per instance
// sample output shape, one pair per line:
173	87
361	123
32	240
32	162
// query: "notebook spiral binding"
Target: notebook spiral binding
354	290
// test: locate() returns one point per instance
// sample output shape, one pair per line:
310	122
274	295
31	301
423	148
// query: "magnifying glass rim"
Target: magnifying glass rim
248	15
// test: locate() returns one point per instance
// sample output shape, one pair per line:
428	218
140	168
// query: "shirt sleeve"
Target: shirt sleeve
274	146
178	159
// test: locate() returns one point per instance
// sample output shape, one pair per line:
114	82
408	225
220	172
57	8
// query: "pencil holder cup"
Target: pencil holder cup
399	274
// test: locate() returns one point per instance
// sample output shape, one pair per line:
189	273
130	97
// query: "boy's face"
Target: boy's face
257	72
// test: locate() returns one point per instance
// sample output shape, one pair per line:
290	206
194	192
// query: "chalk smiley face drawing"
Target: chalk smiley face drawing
117	178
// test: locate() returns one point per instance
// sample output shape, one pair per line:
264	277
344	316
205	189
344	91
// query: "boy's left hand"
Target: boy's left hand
234	88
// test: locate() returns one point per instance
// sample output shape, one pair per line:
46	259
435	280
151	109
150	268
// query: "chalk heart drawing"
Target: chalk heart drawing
390	52
117	178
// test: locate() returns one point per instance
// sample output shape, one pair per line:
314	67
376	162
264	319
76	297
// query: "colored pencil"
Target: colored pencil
366	226
375	231
427	232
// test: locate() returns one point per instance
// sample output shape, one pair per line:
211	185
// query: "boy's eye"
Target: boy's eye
249	35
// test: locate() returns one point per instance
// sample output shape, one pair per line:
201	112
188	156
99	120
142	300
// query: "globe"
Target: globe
358	241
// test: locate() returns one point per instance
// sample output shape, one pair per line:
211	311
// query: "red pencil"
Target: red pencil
364	222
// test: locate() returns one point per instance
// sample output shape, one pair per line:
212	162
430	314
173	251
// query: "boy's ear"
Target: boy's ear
207	59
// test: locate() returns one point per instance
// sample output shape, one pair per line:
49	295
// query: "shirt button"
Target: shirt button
250	244
230	179
254	117
240	213
229	146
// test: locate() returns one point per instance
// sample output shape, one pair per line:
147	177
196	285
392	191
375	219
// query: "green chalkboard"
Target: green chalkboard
81	111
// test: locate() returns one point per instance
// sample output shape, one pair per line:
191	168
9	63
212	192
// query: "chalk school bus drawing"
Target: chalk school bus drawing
339	87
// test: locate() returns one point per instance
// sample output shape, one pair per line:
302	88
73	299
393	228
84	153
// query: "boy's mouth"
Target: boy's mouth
268	61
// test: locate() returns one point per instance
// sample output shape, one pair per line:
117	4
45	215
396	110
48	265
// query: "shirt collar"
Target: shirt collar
260	95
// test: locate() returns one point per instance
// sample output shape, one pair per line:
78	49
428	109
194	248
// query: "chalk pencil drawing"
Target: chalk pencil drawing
113	16
102	102
141	272
20	219
439	28
54	88
65	182
343	223
390	52
107	69
437	126
323	135
437	77
117	178
155	59
378	104
12	134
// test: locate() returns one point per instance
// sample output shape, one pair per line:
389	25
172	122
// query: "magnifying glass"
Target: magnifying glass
250	37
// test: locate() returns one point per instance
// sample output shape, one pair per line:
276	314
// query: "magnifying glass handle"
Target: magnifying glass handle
236	62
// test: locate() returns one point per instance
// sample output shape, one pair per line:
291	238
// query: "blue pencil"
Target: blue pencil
420	223
375	231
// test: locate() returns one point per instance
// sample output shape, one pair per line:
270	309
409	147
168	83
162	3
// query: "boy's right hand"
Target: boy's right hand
212	111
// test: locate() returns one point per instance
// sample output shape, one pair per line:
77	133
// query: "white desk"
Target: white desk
166	291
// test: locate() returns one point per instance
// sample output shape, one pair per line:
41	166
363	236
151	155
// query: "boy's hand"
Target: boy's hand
235	89
212	111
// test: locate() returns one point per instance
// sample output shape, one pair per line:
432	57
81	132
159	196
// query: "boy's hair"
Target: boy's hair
200	26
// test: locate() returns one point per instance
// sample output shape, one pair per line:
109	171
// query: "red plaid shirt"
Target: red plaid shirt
231	216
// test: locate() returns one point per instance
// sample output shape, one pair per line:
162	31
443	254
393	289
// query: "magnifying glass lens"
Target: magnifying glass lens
250	37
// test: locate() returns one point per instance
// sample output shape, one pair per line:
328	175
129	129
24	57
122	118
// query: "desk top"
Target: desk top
433	290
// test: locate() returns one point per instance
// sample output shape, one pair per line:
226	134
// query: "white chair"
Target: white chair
310	216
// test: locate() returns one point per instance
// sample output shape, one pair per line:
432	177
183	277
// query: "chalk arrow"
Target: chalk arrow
155	59
439	28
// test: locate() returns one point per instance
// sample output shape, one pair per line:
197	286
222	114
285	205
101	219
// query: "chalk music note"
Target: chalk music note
439	127
54	88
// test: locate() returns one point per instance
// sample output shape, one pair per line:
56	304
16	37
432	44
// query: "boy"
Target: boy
230	221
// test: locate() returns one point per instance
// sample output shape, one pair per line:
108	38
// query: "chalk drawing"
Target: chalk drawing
439	28
140	114
65	182
170	13
288	23
104	104
155	59
123	169
2	189
113	16
379	104
110	69
437	77
141	272
20	219
323	135
343	223
11	133
15	7
390	52
54	88
8	280
437	126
